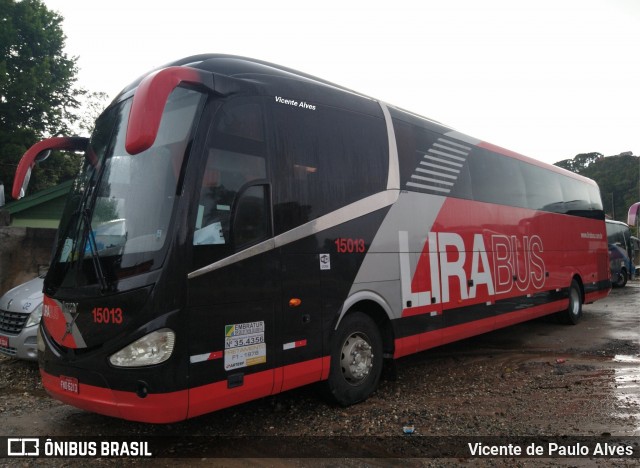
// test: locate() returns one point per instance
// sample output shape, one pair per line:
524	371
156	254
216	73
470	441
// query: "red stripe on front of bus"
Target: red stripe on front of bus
431	339
183	404
217	395
154	408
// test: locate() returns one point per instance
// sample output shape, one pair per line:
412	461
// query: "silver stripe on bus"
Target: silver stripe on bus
429	179
393	180
350	212
439	174
442	168
433	158
447	155
428	187
448	148
237	257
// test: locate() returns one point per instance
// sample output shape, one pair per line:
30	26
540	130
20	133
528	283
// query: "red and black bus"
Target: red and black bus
239	229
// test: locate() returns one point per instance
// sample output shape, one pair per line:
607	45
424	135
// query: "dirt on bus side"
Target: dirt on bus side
539	379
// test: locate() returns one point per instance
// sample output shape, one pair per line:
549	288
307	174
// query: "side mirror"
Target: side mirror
38	153
25	183
42	155
149	101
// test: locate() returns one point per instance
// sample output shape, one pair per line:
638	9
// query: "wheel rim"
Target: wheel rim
621	279
356	358
575	302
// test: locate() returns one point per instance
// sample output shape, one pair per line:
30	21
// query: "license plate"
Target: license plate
4	341
69	384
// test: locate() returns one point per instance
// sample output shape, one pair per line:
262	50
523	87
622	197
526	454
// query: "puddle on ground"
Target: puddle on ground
627	381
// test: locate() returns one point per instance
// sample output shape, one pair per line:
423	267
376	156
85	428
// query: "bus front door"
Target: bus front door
232	333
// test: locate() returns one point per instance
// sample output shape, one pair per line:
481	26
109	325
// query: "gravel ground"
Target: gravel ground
537	379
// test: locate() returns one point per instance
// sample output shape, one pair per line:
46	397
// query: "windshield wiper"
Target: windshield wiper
93	248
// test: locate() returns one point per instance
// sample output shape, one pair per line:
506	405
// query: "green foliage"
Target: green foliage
37	94
580	162
617	176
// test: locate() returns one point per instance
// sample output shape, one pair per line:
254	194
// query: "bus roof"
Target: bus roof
274	76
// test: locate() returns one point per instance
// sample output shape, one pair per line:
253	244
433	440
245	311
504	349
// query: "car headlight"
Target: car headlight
34	316
154	348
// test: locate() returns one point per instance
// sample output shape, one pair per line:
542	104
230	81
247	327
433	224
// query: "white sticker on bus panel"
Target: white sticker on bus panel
244	345
325	261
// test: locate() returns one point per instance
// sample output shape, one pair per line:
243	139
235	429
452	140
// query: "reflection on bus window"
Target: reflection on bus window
226	172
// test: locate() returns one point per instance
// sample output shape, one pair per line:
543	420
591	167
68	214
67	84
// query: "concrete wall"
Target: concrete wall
24	253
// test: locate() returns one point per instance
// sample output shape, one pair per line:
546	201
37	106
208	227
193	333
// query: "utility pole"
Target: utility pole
613	208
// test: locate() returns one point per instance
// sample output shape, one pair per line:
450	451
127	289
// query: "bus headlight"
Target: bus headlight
154	348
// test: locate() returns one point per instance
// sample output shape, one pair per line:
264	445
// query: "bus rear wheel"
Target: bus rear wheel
356	360
572	314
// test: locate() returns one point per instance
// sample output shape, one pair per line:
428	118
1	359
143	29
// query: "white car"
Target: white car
20	313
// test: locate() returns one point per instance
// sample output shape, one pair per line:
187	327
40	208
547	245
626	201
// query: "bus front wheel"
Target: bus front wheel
356	359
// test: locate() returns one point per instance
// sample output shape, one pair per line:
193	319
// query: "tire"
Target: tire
622	279
573	313
356	360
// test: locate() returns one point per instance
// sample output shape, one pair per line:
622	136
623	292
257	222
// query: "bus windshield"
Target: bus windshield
116	219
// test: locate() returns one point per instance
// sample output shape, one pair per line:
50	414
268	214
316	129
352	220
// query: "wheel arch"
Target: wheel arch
373	305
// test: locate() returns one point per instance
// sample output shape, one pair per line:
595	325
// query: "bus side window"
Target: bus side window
226	172
251	216
324	160
236	156
213	207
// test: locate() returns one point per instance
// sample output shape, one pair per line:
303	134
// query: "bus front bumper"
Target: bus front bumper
152	408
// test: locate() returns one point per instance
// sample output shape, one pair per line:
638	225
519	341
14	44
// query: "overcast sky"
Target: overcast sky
546	78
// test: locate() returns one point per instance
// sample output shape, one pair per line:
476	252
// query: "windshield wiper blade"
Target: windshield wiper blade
93	248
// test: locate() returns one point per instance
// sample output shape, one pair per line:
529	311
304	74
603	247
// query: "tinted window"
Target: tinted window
235	157
325	159
594	198
543	189
575	194
619	234
437	163
496	179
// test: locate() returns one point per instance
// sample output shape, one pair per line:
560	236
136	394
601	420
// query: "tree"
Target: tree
617	177
92	103
36	81
580	162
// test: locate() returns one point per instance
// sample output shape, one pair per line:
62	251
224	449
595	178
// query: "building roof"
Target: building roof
42	209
